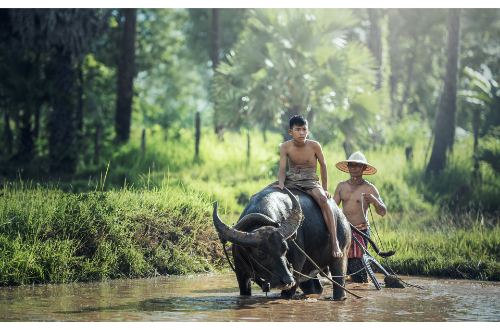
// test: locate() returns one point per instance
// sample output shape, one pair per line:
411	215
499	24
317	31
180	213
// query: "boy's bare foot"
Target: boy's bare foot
336	253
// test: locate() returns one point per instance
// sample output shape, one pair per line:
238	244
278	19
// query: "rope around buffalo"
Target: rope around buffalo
323	273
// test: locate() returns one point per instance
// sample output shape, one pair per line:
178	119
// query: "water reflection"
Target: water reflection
216	298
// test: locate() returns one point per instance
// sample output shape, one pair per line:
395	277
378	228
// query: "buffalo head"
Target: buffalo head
265	241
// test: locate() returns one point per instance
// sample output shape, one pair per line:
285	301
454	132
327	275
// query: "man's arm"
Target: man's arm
282	170
374	198
322	169
336	195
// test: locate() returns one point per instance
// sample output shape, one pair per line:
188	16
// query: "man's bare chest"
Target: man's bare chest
351	194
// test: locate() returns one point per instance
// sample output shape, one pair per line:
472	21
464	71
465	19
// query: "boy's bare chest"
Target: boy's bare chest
302	157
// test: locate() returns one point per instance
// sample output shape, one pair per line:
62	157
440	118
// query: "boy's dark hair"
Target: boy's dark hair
297	121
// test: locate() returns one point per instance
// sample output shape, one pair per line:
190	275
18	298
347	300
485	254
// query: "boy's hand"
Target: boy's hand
278	186
328	195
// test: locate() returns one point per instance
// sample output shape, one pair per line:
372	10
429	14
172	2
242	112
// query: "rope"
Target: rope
227	257
323	273
311	278
379	240
367	222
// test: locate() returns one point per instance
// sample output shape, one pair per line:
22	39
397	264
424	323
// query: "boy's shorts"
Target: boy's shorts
300	179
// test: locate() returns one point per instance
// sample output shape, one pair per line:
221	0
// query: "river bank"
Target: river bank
48	236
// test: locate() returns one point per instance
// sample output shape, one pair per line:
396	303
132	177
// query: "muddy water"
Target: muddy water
215	298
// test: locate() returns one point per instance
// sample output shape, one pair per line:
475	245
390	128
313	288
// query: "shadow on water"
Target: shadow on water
180	304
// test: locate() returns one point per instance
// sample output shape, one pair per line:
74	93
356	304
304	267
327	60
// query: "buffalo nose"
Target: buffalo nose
287	282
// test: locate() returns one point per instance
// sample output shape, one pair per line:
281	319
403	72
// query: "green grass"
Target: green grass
139	215
47	236
439	243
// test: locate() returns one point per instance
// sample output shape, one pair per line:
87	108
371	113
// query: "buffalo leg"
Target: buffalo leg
288	294
245	284
338	271
311	287
244	281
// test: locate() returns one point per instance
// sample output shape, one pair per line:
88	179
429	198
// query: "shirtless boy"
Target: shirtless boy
350	193
303	156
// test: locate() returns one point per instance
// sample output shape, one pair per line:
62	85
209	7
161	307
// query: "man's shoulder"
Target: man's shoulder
342	183
370	186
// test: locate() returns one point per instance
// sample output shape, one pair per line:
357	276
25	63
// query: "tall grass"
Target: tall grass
47	236
142	214
440	243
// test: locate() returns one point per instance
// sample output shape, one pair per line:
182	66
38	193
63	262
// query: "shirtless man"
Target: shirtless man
303	156
350	193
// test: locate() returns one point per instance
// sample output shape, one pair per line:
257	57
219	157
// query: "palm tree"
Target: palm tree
293	61
446	117
126	73
65	34
480	95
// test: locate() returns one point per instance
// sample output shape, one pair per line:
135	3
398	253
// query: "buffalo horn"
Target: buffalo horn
255	219
232	235
293	222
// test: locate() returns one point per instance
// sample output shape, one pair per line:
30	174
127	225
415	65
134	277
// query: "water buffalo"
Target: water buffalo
261	251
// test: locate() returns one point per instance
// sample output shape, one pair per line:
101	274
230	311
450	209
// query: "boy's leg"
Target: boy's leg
320	197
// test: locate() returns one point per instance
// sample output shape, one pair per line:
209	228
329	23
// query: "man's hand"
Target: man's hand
278	186
369	198
328	195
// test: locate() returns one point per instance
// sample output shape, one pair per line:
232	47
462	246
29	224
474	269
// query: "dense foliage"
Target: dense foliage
367	79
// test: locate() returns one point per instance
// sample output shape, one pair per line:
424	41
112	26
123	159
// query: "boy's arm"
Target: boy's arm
282	170
322	169
374	198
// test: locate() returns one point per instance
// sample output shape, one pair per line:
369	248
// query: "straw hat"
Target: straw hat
356	157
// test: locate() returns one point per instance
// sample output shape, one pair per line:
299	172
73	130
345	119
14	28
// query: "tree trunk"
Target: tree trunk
395	57
126	73
79	109
197	136
409	80
38	111
8	131
143	143
62	152
347	148
447	114
216	38
25	150
264	128
97	144
214	56
375	41
476	117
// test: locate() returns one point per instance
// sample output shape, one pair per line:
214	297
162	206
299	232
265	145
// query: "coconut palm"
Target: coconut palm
481	95
294	61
